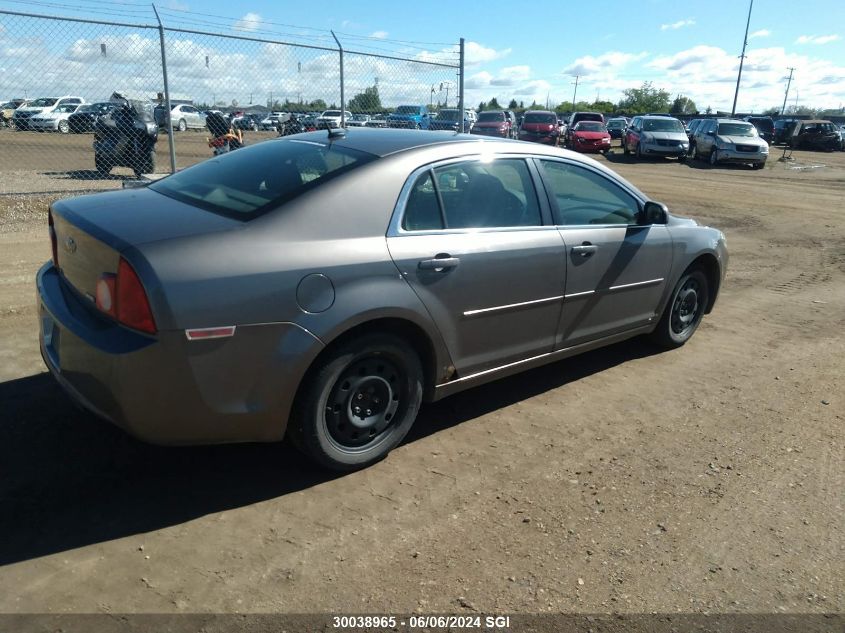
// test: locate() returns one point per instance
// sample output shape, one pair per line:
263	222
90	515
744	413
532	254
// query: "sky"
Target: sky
525	51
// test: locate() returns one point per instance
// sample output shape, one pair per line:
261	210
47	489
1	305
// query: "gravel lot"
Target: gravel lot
705	479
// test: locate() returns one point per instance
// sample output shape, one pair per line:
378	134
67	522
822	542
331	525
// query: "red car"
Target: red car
589	136
540	126
494	123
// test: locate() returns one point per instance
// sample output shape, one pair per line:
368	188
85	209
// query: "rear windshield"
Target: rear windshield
663	125
245	183
615	124
736	129
486	117
539	117
765	125
408	110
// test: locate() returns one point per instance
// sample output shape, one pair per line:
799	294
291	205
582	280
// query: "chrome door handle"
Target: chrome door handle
439	264
585	250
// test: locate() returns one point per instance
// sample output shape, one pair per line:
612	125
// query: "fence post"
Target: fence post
342	102
461	86
168	118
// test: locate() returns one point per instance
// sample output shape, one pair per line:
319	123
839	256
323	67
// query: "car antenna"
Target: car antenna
337	133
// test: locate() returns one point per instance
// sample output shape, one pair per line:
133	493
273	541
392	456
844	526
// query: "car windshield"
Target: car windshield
615	124
827	128
448	115
407	110
539	117
736	129
767	125
662	125
68	107
43	103
486	117
331	113
246	183
589	126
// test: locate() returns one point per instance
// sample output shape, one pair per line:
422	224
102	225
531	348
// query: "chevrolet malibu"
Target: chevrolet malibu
322	286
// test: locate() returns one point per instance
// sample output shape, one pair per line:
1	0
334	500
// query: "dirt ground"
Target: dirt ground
705	479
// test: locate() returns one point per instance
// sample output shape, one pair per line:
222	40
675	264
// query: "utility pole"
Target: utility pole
575	92
742	57
786	94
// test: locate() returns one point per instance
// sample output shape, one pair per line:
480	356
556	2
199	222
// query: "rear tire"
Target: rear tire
183	125
684	311
64	127
639	151
359	403
147	164
625	149
102	164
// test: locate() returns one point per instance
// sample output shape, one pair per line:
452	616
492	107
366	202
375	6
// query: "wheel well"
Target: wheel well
405	330
710	266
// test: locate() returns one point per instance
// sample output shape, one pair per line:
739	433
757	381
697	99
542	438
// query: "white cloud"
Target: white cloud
475	53
511	76
249	22
816	39
380	35
677	25
588	65
760	33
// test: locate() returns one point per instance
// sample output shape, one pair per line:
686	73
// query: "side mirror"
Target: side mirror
653	213
711	133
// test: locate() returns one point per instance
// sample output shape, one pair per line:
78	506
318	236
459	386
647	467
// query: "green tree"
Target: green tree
481	106
494	104
367	101
646	98
683	105
513	105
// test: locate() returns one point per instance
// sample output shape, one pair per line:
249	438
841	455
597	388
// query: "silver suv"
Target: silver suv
730	141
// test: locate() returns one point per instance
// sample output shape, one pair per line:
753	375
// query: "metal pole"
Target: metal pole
786	94
575	92
742	57
168	118
461	85
342	102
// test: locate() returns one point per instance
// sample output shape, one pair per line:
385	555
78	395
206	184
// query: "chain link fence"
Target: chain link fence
85	102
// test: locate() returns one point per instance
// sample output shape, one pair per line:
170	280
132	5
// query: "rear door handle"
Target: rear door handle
585	250
439	263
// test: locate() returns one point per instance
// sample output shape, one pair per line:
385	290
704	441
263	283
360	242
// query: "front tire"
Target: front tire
639	153
684	311
359	403
714	157
64	127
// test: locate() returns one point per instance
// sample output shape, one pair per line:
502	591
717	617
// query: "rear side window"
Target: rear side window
473	194
251	181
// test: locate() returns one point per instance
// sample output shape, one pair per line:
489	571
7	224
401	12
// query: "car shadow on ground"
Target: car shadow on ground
68	480
83	174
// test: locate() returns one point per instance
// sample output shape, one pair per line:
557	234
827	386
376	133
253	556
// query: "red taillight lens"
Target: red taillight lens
54	245
131	305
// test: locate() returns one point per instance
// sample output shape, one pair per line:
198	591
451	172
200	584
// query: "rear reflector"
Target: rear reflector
210	332
106	293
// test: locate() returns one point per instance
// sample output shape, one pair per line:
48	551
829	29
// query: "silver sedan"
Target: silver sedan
324	285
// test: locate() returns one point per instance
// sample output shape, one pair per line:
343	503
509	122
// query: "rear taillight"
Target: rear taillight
54	245
122	296
131	305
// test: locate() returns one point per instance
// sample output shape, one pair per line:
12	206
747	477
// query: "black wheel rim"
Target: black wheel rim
686	308
361	410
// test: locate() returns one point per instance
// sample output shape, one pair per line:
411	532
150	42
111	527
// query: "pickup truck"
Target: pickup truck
410	116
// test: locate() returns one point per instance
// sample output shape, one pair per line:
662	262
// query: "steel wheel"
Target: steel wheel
684	311
359	402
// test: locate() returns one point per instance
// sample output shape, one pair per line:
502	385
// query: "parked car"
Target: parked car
20	120
273	120
248	121
7	111
377	120
842	137
332	118
815	134
450	119
656	135
576	117
765	127
539	126
126	137
494	123
256	296
358	120
730	141
53	120
692	126
781	129
616	127
589	136
183	116
410	116
86	117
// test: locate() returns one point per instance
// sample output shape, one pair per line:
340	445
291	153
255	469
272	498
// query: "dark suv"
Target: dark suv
765	127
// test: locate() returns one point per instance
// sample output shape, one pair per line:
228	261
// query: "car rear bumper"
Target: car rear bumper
490	131
537	138
166	389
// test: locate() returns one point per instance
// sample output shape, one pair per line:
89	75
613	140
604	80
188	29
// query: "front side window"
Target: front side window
473	194
585	197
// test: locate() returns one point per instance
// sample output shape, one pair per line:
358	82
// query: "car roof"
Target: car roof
386	141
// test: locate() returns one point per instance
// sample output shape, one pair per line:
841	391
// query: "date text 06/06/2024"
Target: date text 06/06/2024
422	621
